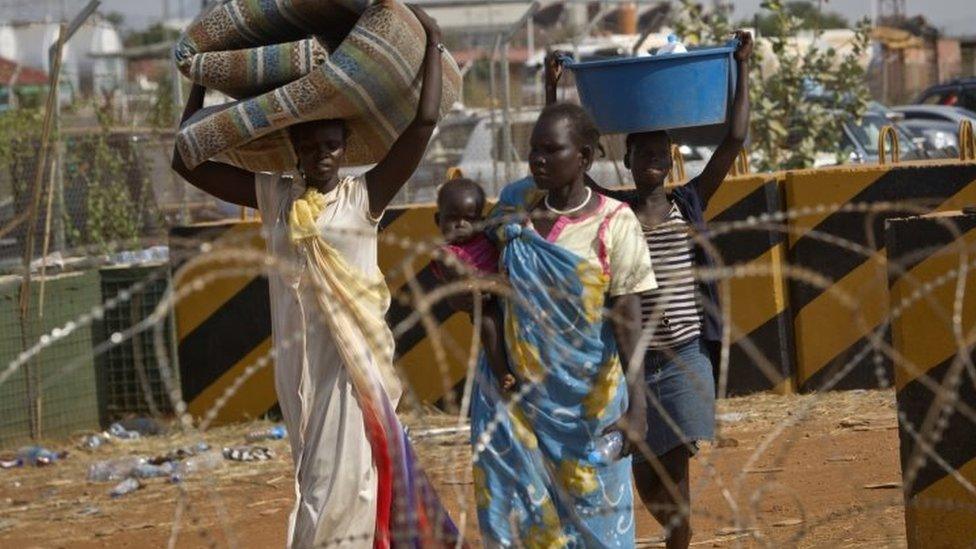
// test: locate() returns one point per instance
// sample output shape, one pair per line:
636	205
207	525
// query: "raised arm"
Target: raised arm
223	181
386	179
721	162
553	72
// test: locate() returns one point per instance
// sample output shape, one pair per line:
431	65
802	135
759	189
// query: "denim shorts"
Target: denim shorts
680	397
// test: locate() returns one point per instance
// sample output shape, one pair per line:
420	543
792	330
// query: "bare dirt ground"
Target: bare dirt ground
795	471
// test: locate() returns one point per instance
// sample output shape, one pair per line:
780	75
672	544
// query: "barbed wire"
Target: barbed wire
235	258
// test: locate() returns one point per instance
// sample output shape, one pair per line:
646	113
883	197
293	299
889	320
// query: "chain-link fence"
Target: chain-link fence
40	399
129	381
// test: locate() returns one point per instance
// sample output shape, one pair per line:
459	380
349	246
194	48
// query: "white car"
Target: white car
936	125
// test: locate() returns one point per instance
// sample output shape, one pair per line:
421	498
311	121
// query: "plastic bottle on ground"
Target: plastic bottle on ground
674	45
145	426
127	486
114	469
206	461
90	442
148	470
120	432
37	456
277	432
607	448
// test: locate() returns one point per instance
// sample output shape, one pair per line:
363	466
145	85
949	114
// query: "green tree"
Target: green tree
698	26
108	194
20	138
809	15
789	129
115	18
162	110
97	168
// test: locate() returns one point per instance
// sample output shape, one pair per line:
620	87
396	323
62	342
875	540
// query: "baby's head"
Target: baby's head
460	207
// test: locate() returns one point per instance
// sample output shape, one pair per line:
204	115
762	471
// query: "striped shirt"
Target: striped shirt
672	310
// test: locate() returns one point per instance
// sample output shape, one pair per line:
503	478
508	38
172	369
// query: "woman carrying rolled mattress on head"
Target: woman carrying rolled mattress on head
356	481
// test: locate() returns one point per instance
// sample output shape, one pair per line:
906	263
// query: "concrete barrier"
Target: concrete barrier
933	262
846	247
761	342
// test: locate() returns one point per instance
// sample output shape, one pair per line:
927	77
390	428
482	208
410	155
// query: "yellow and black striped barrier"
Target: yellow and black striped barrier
933	374
761	324
830	235
761	349
407	273
216	345
223	325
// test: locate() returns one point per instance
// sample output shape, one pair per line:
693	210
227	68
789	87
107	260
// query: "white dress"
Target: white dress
335	480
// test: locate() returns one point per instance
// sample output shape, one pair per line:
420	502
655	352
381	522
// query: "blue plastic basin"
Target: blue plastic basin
676	90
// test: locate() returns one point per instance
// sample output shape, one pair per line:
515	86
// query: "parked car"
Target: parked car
960	92
938	125
858	143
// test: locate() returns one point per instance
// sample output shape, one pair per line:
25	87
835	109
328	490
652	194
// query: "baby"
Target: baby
460	214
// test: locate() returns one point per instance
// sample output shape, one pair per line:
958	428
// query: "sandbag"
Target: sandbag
371	80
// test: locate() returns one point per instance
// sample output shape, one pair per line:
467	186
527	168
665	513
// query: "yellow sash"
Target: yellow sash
353	304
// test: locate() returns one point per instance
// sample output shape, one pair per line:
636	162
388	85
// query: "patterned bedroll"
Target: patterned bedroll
253	71
262	52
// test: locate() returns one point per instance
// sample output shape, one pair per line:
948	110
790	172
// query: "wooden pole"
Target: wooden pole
33	400
47	240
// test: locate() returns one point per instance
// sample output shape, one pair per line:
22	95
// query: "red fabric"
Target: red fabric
384	469
478	253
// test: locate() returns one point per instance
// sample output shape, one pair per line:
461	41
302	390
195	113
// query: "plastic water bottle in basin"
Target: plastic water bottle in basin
665	91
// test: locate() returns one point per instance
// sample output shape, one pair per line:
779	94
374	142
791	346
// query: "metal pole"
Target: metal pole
57	180
60	235
184	215
507	91
506	115
530	54
464	74
493	98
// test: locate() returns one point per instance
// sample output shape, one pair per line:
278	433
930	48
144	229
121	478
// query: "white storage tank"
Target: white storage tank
8	43
81	73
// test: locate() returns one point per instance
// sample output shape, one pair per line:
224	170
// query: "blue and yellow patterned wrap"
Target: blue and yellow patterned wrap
532	480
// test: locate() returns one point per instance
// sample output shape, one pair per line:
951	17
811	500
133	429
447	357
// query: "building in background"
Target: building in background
20	85
905	63
86	71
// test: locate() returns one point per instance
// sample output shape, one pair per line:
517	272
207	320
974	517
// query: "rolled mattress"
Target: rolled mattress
274	58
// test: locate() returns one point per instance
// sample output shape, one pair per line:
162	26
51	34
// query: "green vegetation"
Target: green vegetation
154	34
788	128
107	196
809	15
